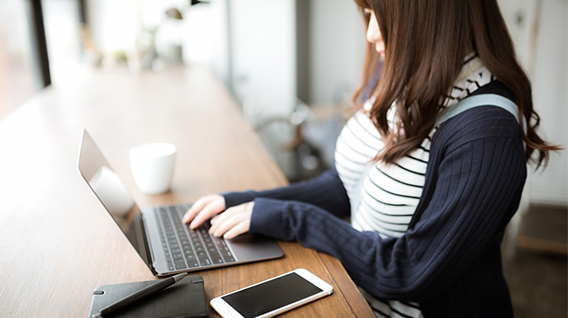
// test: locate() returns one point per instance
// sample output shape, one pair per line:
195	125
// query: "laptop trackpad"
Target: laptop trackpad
254	247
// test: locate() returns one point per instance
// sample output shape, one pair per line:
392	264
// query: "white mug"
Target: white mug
153	166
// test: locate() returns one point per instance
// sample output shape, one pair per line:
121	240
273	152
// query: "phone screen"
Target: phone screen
271	295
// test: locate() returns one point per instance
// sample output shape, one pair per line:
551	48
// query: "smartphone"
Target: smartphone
273	296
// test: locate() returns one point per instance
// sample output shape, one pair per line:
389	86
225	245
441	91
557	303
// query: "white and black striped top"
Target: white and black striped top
384	197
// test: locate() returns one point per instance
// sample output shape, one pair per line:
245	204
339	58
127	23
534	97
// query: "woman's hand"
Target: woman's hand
203	209
234	221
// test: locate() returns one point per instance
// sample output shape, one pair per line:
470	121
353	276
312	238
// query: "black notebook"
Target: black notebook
186	298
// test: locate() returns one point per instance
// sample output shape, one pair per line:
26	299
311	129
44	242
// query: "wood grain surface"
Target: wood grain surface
58	242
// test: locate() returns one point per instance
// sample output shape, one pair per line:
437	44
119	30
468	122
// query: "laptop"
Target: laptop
162	240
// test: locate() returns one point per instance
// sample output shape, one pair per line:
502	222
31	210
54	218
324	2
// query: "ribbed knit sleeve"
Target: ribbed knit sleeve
473	186
326	192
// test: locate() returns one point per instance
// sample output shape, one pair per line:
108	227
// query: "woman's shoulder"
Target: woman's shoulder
484	122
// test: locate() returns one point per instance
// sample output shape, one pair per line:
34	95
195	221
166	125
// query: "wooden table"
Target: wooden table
57	241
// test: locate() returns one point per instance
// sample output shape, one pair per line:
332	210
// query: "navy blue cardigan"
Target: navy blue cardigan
449	260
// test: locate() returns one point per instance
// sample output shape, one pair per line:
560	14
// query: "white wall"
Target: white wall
550	90
219	29
263	50
521	17
113	24
539	30
264	41
337	49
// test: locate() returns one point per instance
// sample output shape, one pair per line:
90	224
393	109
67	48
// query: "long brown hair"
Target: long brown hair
426	43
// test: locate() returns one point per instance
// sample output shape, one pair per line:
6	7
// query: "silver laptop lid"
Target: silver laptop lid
112	193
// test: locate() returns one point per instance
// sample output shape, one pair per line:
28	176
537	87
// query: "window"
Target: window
20	75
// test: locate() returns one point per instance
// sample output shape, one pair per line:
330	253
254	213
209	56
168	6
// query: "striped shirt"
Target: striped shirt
384	197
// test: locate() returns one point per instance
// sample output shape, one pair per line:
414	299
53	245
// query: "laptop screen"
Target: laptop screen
108	187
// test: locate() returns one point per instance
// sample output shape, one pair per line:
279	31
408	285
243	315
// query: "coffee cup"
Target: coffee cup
152	166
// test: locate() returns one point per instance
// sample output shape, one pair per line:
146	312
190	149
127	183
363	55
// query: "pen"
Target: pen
140	294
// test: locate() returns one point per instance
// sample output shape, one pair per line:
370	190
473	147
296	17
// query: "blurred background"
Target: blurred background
292	66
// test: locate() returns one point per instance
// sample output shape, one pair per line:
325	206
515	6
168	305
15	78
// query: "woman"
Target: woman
429	201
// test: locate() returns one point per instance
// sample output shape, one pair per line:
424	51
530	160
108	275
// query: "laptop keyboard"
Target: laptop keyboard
185	248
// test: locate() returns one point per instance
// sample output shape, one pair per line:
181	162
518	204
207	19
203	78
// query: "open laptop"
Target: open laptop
166	244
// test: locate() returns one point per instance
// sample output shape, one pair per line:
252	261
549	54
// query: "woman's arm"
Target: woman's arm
326	192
